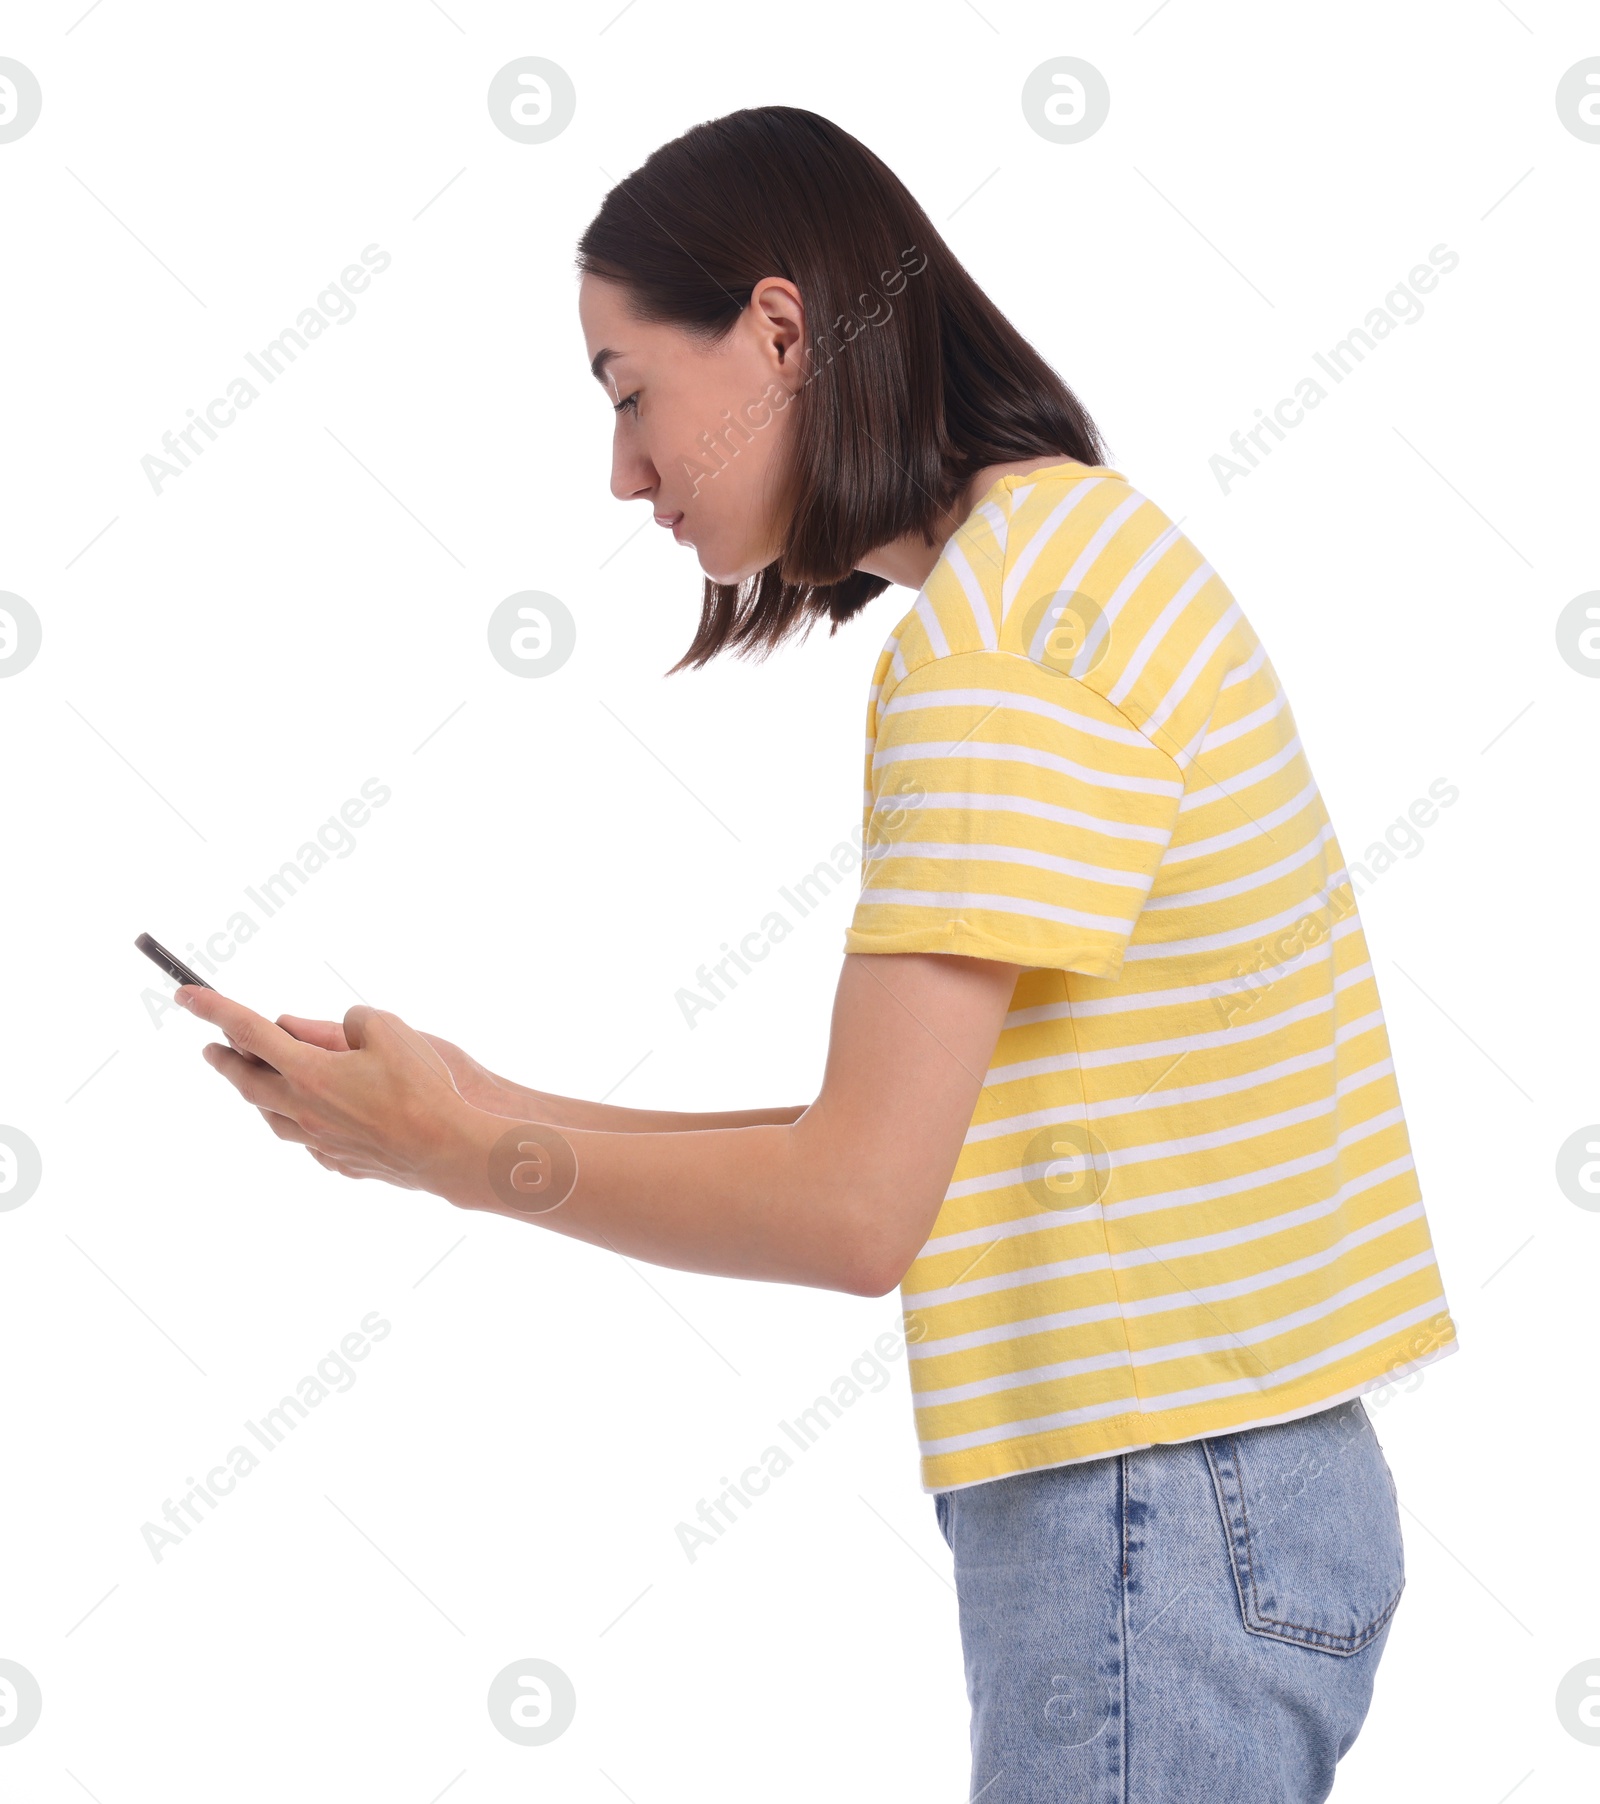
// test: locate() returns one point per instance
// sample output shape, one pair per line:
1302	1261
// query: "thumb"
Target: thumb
356	1025
364	1027
329	1035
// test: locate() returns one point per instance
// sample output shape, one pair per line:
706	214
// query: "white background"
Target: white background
230	659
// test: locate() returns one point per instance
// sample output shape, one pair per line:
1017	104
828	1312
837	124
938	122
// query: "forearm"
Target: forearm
525	1104
760	1201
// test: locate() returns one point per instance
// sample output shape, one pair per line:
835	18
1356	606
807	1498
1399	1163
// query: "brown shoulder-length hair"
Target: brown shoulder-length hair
914	380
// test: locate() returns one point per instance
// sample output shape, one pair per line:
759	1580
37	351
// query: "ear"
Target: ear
779	316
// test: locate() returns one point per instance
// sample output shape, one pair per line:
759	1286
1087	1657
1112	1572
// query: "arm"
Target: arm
842	1197
497	1095
573	1112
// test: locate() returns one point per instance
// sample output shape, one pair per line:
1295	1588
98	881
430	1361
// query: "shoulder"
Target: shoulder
1076	571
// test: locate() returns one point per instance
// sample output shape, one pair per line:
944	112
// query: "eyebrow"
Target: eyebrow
601	358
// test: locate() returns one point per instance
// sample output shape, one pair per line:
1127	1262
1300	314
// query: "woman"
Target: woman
1108	1093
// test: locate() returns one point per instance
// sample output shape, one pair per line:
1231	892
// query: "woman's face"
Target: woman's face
699	426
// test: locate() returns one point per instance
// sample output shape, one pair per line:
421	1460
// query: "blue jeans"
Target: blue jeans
1196	1621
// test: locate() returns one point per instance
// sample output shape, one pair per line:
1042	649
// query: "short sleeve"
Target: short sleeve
1013	813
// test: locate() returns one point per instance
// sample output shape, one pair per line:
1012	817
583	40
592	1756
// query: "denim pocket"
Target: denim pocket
1313	1528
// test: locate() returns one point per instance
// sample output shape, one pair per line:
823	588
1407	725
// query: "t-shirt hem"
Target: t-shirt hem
1111	1436
960	938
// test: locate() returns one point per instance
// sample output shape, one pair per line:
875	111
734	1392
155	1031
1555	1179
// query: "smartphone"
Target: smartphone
175	968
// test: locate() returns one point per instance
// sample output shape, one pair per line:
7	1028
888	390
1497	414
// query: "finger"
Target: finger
363	1025
258	1084
242	1053
329	1035
248	1033
286	1127
334	1165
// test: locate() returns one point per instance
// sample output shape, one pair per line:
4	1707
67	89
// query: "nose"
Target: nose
633	476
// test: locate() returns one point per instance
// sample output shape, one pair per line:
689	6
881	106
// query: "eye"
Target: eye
628	401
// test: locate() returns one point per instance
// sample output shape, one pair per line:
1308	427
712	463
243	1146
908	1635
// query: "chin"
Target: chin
712	566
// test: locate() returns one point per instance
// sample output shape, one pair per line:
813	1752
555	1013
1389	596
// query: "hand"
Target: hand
476	1083
373	1100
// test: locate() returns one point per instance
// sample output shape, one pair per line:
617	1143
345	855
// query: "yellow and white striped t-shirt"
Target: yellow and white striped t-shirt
1186	1202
